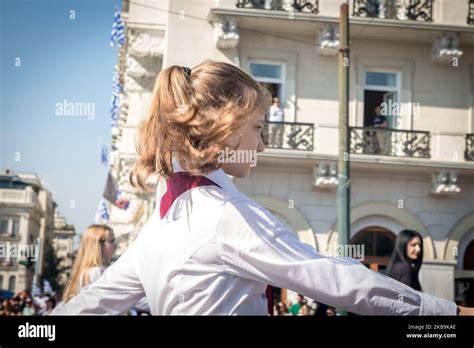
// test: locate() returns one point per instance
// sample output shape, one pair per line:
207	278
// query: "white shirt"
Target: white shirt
216	257
276	114
94	274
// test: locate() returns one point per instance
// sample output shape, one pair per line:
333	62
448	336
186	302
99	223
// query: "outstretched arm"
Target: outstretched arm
254	244
114	293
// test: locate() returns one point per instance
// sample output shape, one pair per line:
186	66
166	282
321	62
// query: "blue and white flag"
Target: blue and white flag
115	101
104	155
35	290
118	30
47	289
103	211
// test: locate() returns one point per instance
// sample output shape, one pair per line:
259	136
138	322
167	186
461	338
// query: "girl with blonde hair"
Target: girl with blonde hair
208	249
94	254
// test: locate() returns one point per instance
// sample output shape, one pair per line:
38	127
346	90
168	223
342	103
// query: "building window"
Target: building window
12	283
271	74
382	89
4	227
378	245
16	228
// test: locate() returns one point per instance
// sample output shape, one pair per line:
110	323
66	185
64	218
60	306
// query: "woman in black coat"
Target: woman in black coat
406	259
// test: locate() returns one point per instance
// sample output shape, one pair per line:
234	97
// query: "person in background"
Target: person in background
299	308
94	254
406	259
276	126
382	136
282	309
28	309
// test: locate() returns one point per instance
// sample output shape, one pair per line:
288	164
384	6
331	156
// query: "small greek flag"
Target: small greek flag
118	30
36	291
47	289
115	101
104	155
104	212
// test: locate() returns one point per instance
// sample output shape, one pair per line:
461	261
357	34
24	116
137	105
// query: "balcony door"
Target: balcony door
382	89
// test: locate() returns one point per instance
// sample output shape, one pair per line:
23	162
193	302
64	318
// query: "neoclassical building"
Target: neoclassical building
415	59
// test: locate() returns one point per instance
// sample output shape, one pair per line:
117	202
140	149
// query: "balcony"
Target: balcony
389	142
470	13
280	5
18	196
469	153
411	10
288	136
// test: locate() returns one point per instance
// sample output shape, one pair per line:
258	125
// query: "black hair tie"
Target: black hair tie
186	70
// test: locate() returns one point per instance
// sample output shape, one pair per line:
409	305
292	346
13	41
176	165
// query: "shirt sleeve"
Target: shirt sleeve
114	293
256	245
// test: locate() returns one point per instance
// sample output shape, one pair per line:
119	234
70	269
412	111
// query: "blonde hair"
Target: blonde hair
88	256
191	117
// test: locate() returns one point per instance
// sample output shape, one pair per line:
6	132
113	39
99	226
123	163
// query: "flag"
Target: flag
104	155
103	211
113	194
115	100
118	30
47	289
36	291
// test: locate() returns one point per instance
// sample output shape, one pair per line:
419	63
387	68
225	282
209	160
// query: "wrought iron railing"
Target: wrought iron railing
281	5
288	135
390	142
470	13
415	10
469	153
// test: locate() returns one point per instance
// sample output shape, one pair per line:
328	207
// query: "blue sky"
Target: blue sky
61	59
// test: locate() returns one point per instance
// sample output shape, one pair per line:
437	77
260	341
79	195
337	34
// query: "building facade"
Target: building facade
414	59
27	227
63	245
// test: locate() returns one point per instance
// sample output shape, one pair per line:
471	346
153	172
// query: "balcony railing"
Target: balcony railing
390	142
288	135
470	13
281	5
469	153
414	10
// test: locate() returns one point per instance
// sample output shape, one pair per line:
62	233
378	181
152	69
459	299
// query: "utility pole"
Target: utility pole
343	190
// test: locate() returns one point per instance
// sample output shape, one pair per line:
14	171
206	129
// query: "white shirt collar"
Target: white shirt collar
218	176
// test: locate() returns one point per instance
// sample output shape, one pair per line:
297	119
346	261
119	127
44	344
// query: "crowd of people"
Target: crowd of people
302	308
23	303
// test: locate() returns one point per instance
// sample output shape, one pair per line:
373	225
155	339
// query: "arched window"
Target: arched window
12	283
378	245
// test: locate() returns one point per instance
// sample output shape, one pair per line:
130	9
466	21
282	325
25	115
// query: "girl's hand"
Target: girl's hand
466	310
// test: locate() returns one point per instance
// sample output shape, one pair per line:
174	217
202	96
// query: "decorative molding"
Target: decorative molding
226	34
328	40
146	43
325	176
446	48
444	183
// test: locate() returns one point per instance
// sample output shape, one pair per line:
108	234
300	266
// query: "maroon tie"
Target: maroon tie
181	182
